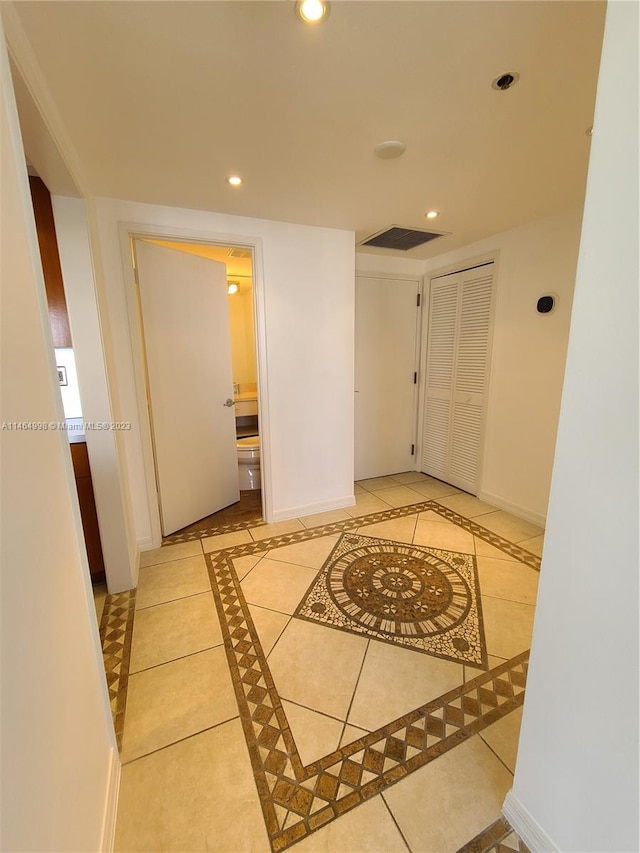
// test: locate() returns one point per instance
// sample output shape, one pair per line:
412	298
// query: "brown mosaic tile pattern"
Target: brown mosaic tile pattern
422	598
499	837
116	631
297	799
519	554
213	530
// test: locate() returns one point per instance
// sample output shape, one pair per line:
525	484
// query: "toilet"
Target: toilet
249	462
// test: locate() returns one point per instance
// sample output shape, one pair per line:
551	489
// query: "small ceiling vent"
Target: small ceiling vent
239	253
399	238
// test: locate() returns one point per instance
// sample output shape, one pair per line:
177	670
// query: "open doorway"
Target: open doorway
195	304
74	424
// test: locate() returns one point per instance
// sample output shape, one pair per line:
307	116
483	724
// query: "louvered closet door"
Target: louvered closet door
441	339
457	367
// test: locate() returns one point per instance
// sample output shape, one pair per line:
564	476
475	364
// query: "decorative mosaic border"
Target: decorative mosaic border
298	799
350	524
214	530
499	837
116	632
519	554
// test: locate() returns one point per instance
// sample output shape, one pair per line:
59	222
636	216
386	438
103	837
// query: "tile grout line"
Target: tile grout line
279	635
353	695
172	600
308	708
393	818
180	740
173	660
491	749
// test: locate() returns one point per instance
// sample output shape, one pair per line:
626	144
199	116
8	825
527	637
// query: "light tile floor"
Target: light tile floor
196	763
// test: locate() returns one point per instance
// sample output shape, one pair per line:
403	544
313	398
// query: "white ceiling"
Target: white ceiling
164	99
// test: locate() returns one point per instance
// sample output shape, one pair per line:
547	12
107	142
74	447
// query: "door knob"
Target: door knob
229	402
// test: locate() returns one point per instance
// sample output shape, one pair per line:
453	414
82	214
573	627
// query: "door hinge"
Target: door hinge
418	301
413	449
415	378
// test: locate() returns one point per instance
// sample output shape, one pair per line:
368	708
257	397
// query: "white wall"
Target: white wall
306	276
58	747
528	356
367	262
576	779
243	334
118	543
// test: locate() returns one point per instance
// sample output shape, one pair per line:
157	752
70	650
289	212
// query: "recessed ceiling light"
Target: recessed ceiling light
233	287
312	11
505	81
432	214
389	150
234	180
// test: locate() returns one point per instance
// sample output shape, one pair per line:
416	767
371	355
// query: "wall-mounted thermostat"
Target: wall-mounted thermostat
546	303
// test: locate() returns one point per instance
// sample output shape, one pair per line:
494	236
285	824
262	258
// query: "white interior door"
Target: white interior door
458	337
386	312
185	320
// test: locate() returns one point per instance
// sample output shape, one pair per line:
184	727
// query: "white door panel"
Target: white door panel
385	360
185	320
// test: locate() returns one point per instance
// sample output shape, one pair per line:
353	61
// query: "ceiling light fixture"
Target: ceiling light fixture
232	288
505	81
234	180
390	150
432	214
312	11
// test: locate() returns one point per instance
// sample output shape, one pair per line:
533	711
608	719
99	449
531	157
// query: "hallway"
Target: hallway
366	664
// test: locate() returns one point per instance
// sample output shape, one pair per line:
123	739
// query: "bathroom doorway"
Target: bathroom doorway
215	479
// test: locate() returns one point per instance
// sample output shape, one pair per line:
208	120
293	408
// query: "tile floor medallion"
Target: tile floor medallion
420	598
423	598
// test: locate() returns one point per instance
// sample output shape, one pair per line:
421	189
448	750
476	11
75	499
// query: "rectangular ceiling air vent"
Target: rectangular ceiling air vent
399	238
239	253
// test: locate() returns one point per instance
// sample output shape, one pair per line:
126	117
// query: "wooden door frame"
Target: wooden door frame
450	269
129	231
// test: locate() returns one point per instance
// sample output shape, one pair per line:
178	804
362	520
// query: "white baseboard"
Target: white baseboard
527	827
145	544
514	509
312	509
111	804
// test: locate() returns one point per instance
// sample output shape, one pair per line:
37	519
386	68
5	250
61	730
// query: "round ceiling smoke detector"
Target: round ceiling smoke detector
505	81
389	150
